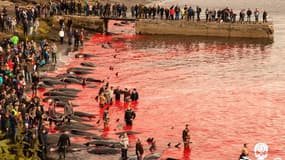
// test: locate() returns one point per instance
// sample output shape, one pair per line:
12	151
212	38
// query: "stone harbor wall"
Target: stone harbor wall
87	22
211	29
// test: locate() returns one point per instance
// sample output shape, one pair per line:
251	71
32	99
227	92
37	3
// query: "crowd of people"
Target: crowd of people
22	115
72	7
192	13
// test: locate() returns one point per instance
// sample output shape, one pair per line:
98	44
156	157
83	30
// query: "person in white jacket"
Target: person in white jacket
61	35
124	140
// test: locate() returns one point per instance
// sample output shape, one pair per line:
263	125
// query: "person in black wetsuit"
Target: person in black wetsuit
63	143
130	115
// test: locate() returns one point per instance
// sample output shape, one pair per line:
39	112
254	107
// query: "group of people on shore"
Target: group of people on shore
72	7
23	117
67	30
191	13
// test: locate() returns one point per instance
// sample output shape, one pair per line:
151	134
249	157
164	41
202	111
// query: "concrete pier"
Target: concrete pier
210	29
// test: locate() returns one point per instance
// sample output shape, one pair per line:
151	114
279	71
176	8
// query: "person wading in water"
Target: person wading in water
186	136
106	117
130	115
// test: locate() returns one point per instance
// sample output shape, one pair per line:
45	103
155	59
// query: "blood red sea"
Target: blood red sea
228	92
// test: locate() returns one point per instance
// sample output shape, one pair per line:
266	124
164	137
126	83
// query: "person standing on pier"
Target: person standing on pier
264	16
79	7
248	13
256	15
198	10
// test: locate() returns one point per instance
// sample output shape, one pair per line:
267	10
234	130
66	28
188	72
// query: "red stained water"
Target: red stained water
229	93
